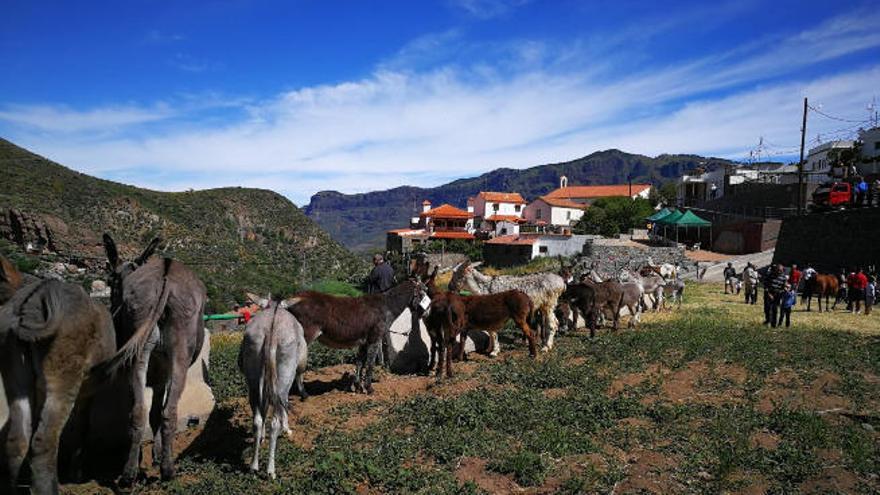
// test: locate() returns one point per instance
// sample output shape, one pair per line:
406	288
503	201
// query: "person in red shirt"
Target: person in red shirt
857	284
795	278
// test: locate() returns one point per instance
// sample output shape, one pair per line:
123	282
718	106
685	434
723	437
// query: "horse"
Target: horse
344	322
821	285
544	290
51	335
157	305
273	353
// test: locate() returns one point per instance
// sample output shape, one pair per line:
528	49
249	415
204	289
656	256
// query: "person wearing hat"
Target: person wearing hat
729	279
381	277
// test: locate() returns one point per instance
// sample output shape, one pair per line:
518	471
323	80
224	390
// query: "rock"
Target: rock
409	352
100	289
868	426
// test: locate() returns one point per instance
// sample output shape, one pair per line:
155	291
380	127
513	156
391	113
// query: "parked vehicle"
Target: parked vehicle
833	195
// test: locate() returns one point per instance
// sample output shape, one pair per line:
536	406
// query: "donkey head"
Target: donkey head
119	269
419	292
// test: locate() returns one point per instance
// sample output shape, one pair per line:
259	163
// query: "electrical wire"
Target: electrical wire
832	117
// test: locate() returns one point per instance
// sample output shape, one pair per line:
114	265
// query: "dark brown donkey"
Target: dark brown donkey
51	335
485	312
345	322
157	306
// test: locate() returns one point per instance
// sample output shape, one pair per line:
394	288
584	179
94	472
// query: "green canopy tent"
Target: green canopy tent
686	220
660	214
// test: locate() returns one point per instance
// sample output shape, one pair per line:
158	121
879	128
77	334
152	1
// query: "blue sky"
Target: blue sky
302	96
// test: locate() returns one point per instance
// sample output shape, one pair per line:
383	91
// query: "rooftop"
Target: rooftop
502	197
446	211
442	234
590	192
561	202
505	218
516	240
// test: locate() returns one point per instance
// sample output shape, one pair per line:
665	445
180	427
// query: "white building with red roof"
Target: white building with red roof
499	212
553	211
444	222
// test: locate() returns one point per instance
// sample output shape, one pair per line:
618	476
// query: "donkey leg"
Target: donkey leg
360	362
179	366
372	350
274	427
60	397
137	419
495	345
18	437
156	418
258	438
552	325
442	351
448	355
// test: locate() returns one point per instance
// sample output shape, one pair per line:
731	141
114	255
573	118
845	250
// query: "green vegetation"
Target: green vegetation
612	216
704	400
473	250
237	240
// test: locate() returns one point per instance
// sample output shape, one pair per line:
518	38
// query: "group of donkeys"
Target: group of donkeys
58	347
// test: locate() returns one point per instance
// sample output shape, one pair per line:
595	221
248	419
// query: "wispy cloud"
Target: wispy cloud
156	37
442	120
487	9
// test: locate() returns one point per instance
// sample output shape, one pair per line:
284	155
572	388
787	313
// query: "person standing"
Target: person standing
380	280
857	290
750	281
877	192
774	286
795	278
789	295
862	191
729	279
870	295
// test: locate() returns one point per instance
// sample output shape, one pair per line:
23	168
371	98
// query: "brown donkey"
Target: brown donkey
345	322
157	305
51	335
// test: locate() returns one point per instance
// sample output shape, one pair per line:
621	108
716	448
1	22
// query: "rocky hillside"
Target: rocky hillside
236	239
360	220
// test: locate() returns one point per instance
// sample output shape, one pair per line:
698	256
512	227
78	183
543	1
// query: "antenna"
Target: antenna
873	114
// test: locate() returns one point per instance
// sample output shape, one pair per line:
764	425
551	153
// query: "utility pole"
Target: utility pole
800	191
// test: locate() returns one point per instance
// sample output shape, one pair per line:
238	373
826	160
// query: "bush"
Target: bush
612	216
336	288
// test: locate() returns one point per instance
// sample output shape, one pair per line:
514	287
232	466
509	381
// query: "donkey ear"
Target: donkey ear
110	249
150	249
434	273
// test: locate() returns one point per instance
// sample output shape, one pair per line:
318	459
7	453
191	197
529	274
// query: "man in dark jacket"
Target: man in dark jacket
730	278
774	285
381	278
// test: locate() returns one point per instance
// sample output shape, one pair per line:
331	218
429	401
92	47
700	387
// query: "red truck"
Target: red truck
833	195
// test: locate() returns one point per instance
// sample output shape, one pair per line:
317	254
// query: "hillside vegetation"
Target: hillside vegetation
360	220
236	239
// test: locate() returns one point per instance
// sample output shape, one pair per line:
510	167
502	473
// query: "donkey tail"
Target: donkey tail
37	312
271	400
136	343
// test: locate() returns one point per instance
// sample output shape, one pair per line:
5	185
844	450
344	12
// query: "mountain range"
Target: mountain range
360	221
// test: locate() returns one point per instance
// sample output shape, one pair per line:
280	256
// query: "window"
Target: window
517	208
538	213
494	206
504	231
542	249
568	215
877	145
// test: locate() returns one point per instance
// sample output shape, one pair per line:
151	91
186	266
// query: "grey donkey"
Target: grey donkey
157	306
273	353
51	336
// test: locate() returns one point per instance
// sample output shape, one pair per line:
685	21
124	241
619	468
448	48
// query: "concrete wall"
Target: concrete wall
612	255
831	240
559	245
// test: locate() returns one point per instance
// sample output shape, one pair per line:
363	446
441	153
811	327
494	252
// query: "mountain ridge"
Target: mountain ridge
360	220
237	239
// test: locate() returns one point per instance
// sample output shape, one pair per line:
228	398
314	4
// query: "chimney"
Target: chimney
426	205
563	181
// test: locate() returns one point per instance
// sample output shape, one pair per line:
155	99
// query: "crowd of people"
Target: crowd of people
782	285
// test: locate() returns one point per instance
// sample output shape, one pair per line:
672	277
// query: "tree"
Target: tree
612	216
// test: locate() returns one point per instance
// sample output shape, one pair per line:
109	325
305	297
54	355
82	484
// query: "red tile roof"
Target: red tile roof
502	197
505	218
513	240
451	235
446	211
590	192
562	202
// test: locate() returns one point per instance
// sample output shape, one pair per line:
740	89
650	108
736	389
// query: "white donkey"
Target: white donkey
273	353
543	289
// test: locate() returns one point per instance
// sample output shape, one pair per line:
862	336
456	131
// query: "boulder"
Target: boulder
409	351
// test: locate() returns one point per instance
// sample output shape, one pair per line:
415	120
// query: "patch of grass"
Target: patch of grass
527	468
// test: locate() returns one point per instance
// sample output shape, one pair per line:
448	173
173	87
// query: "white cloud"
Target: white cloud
402	126
487	9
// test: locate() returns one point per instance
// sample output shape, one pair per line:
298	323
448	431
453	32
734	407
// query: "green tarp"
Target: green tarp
660	214
671	218
689	219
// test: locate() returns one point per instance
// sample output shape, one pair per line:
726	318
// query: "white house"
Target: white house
553	211
510	250
870	151
817	165
499	212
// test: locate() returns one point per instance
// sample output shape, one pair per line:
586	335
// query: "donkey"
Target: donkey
651	284
822	285
611	294
346	322
544	290
51	335
456	313
272	354
581	298
157	305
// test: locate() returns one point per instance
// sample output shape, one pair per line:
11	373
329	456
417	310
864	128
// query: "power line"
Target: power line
832	117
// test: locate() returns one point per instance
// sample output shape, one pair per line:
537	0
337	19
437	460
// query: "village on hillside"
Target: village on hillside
733	210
